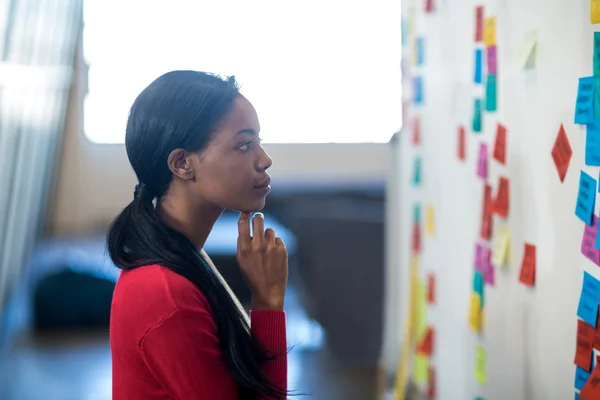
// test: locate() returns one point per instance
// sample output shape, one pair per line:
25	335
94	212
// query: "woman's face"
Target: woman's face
231	171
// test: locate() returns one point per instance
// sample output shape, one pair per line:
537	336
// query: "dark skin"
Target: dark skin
230	173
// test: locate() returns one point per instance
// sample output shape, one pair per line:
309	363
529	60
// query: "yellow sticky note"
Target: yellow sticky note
501	251
421	369
475	312
489	32
480	370
595	11
430	220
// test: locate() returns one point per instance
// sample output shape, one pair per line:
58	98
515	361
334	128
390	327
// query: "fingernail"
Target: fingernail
259	214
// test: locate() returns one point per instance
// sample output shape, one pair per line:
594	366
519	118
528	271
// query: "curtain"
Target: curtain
38	40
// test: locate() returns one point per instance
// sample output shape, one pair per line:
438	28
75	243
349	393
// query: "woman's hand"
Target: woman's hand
263	260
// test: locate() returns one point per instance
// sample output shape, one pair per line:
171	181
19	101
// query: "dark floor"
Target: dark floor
78	366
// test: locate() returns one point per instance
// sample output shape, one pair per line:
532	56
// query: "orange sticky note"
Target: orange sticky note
478	23
416	137
502	197
431	288
500	144
561	153
591	389
583	350
426	346
527	275
462	145
486	214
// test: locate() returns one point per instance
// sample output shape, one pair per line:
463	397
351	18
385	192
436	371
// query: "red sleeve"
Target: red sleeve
183	354
268	327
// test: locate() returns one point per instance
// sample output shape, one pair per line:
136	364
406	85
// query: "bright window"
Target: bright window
317	71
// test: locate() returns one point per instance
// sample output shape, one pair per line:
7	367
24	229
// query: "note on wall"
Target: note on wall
416	133
591	389
527	274
586	198
430	220
477	110
417	172
584	105
416	238
482	164
500	144
475	312
492	63
480	365
491	95
478	287
595	11
597	96
596	53
489	270
425	347
486	213
421	369
462	145
418	90
592	144
581	377
501	202
431	288
587	309
478	23
561	153
478	76
489	31
501	251
478	257
583	348
432	384
589	246
416	212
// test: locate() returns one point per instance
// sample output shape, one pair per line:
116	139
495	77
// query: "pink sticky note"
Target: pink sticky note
482	164
489	273
488	268
492	66
588	241
478	260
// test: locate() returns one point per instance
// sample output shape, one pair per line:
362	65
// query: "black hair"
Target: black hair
183	109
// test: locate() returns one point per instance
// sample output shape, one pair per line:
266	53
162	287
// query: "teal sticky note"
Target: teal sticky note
417	212
597	97
597	54
478	78
417	172
477	110
490	93
478	285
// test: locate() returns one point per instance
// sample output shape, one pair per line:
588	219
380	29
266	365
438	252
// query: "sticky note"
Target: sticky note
581	377
561	153
589	298
588	241
421	369
586	198
584	105
417	172
417	212
480	365
489	273
501	202
591	389
432	384
597	97
477	110
416	238
416	133
418	90
421	310
491	96
486	214
478	257
583	349
527	274
478	78
595	11
420	50
596	53
425	347
475	312
478	24
482	163
431	288
525	57
462	145
489	32
500	144
492	63
592	144
478	287
430	220
501	247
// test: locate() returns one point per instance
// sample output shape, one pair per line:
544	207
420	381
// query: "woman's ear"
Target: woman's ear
180	164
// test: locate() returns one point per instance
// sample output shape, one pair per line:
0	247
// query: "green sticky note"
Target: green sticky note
477	115
597	54
417	212
490	93
421	369
480	368
417	172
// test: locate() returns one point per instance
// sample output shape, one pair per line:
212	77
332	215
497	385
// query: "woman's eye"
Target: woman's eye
245	146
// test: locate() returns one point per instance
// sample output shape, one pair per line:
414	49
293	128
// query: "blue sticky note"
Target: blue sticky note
478	285
592	144
596	53
420	50
417	212
584	105
581	377
418	90
478	66
587	309
490	93
586	198
477	111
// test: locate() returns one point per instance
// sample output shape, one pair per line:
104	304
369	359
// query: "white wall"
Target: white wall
529	333
96	181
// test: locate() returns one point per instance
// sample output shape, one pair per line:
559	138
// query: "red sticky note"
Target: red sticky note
428	6
584	348
591	389
486	214
416	238
561	153
500	144
478	23
462	145
416	136
527	275
431	288
426	346
502	197
432	389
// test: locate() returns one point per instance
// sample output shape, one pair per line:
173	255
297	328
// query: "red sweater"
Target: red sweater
164	341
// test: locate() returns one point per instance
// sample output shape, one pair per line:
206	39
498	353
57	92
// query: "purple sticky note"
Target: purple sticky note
492	65
489	273
482	164
478	259
588	241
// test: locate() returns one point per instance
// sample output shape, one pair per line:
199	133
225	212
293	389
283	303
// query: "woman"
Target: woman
177	331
